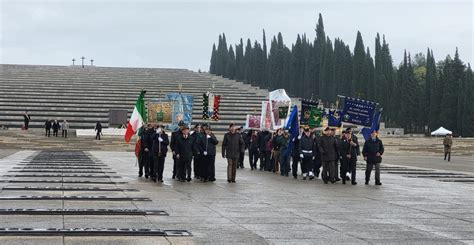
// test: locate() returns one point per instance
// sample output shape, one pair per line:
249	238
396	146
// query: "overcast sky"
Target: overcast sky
180	34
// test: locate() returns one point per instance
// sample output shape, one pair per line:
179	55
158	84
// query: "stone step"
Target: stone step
85	95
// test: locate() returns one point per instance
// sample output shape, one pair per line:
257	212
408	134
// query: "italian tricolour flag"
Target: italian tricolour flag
138	117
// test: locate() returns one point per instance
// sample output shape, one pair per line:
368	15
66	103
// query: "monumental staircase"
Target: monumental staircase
84	96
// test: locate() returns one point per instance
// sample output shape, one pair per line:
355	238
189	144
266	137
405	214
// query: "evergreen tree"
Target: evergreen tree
248	62
230	70
370	79
239	61
359	84
467	127
212	68
264	81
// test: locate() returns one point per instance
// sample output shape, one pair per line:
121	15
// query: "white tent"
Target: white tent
441	131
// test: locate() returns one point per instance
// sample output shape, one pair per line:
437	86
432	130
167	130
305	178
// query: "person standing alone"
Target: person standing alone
26	119
448	143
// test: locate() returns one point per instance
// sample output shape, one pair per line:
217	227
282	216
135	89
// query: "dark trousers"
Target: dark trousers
329	171
294	165
55	132
348	166
284	164
141	164
241	159
317	165
231	168
265	160
97	136
209	168
447	154
48	132
197	165
253	158
64	133
26	124
158	167
183	169
146	163
307	164
368	171
150	167
175	164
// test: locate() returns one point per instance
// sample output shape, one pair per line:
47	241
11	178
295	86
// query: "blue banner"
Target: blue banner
335	118
358	112
182	105
375	125
293	128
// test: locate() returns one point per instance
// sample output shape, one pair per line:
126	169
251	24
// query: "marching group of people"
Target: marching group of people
194	153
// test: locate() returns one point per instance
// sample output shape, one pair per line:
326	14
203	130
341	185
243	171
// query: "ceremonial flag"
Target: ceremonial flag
293	128
357	111
316	117
138	117
306	106
182	109
210	106
334	118
205	106
215	113
375	125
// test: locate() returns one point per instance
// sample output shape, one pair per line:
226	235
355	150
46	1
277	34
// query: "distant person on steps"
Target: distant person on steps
26	119
56	127
98	129
64	128
47	127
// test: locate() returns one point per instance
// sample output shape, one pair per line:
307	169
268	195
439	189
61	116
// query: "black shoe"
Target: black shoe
343	181
354	183
146	176
140	175
325	182
347	178
378	183
233	181
228	181
317	175
338	179
173	177
188	179
304	178
366	182
295	177
154	180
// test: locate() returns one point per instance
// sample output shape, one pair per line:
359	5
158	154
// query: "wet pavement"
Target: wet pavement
261	208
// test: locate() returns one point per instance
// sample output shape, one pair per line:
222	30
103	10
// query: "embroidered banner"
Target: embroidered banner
182	109
359	112
306	106
159	111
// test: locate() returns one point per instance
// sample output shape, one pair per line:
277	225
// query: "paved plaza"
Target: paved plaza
261	208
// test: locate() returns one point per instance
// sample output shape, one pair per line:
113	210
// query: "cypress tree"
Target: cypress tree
370	73
297	66
459	79
212	68
359	84
248	62
264	81
230	69
468	113
239	61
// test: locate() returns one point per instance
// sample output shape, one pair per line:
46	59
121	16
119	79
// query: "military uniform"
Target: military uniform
447	143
